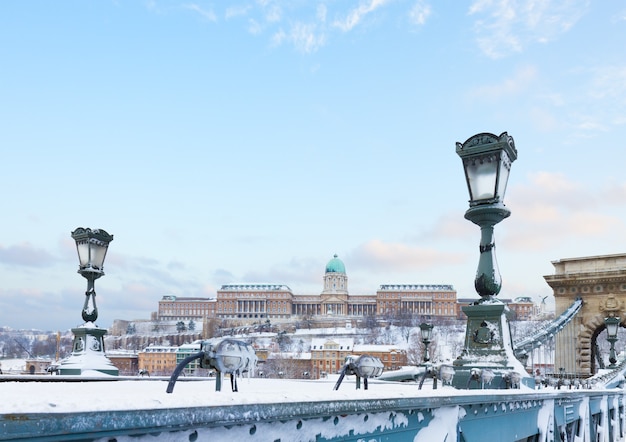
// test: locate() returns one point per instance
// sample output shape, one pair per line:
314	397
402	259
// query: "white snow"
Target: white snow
443	425
147	393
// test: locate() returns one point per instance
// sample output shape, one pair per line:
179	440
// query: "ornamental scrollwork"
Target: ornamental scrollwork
611	306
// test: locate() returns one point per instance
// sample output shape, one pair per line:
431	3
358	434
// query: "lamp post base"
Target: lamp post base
487	360
88	357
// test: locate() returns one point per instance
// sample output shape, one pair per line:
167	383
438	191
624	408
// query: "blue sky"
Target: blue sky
227	142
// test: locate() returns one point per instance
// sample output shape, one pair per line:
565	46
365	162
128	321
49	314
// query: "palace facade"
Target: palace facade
252	302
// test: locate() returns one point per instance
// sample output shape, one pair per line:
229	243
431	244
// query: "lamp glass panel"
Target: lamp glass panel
611	328
98	253
505	165
481	177
367	370
83	253
427	331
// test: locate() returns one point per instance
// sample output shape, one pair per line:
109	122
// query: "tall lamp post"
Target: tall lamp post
612	325
487	160
427	333
88	355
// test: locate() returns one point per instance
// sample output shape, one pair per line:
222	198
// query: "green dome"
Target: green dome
335	265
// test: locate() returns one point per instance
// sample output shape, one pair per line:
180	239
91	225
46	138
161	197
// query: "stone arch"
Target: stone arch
587	337
600	281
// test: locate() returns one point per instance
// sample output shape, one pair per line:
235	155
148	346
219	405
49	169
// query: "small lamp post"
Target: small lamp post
426	330
427	333
88	348
487	160
612	326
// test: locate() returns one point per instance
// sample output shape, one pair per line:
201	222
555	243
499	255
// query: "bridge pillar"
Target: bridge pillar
488	345
600	281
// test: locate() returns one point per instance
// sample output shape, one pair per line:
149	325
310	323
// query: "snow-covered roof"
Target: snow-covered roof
377	348
324	343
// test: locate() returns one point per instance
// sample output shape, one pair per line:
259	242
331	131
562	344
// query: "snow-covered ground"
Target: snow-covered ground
12	366
448	405
61	397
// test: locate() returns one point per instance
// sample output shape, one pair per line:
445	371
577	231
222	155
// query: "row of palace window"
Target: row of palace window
407	295
195	312
253	295
290	295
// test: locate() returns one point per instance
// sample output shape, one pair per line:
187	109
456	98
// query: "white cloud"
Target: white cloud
552	209
322	12
379	256
505	26
598	104
419	13
254	27
306	37
208	15
273	14
237	11
355	16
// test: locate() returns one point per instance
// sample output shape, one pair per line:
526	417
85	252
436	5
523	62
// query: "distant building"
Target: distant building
522	308
254	302
192	368
179	308
433	300
157	360
37	366
329	355
392	356
126	362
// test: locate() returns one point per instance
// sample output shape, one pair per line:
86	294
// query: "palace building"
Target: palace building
252	302
179	308
249	303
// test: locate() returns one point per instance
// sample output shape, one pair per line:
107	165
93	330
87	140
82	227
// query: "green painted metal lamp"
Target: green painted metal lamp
426	331
92	246
88	354
612	326
487	162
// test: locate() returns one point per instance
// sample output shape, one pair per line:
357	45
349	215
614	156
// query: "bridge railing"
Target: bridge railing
547	332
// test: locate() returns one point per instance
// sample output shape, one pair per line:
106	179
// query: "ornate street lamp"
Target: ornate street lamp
364	366
487	160
427	333
612	326
88	355
92	246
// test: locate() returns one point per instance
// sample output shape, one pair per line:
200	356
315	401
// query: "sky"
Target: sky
250	141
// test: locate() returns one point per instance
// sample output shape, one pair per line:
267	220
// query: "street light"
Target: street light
612	325
487	160
364	366
92	246
88	355
427	333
